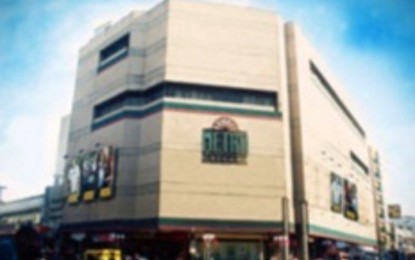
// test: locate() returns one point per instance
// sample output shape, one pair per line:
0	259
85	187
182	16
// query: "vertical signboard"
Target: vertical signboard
106	172
89	175
336	193
73	173
350	203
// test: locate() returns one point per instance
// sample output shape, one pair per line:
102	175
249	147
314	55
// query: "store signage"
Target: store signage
394	211
208	237
224	143
350	199
282	240
91	175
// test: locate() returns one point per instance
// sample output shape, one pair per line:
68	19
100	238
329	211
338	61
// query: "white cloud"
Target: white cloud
29	140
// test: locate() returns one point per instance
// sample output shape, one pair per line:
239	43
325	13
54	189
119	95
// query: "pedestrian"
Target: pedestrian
6	251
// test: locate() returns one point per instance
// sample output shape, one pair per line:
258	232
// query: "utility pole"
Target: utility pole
2	188
286	229
303	231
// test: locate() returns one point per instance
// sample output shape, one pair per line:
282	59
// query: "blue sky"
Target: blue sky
369	45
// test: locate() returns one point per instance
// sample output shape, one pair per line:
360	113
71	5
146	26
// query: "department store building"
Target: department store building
202	128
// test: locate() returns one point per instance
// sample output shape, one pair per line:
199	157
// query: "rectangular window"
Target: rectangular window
113	53
358	163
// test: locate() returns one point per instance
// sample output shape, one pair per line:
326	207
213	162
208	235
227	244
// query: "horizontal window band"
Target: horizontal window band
137	114
188	91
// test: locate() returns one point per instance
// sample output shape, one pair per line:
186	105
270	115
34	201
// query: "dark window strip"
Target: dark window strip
336	98
112	62
114	52
359	162
132	114
185	91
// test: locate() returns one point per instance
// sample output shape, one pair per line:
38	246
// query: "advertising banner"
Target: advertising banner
336	193
350	205
91	175
73	173
106	172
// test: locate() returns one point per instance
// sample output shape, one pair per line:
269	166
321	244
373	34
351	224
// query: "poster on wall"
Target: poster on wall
91	175
73	173
89	172
106	172
350	196
336	193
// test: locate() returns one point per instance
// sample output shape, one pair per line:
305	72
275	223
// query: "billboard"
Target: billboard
106	172
336	186
91	175
73	173
350	200
394	211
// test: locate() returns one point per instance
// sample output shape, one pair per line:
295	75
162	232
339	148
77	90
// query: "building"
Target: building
202	128
330	154
18	212
44	211
61	150
381	223
403	234
2	188
403	239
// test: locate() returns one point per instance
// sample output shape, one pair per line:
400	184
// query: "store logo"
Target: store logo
224	143
91	175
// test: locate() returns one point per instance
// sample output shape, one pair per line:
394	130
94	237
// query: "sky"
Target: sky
369	45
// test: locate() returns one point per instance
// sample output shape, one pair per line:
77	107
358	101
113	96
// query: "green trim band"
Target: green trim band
221	224
315	229
221	109
218	223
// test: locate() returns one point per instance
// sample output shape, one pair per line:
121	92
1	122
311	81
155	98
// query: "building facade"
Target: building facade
330	152
192	123
381	222
402	233
18	212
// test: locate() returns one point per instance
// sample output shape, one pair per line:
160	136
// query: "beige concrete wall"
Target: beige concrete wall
224	45
327	137
191	188
138	141
160	168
